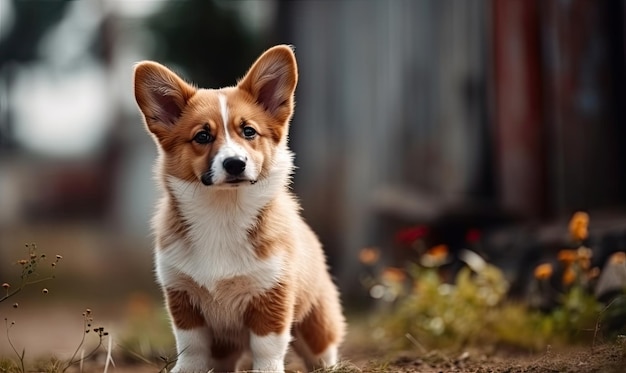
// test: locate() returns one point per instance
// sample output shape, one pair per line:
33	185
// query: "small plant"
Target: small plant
573	310
19	355
32	274
54	365
87	327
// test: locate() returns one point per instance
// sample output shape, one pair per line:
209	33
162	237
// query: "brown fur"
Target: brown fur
269	312
185	314
312	329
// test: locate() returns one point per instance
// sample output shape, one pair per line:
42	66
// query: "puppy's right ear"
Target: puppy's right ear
160	94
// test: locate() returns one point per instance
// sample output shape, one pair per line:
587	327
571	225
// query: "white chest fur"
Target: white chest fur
216	246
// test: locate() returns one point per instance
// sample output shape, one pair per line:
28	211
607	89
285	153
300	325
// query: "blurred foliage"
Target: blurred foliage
440	314
148	336
473	309
208	40
613	317
8	366
49	365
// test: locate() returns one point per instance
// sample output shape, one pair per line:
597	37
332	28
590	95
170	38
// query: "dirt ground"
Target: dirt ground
601	359
360	353
607	358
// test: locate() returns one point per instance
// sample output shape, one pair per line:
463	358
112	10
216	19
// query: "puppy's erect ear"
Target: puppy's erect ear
272	81
160	94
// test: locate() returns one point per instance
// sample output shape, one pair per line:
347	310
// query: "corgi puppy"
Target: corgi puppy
240	269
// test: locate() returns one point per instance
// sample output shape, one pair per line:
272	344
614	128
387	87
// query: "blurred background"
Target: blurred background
486	116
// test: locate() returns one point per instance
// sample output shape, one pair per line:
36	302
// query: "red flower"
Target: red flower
409	235
472	236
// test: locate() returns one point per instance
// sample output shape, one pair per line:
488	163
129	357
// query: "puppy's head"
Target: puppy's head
220	137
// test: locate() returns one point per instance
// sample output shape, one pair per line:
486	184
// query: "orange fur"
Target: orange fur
265	271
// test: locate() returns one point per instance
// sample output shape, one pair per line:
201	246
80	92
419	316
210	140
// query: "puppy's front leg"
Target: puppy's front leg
192	346
269	317
191	332
268	351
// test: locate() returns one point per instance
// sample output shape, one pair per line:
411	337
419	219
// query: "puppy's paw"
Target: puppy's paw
191	366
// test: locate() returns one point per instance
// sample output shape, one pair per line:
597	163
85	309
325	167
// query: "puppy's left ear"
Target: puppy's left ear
272	81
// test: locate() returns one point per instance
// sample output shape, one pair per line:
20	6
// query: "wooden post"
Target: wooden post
518	125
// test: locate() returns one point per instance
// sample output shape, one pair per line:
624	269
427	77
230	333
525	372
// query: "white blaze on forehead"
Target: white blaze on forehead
231	148
224	112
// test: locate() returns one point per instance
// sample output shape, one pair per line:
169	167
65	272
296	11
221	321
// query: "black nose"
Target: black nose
234	165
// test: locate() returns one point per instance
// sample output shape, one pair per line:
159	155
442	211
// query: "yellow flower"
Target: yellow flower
579	226
543	271
584	253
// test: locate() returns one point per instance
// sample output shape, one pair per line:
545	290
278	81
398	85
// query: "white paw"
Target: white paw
187	366
268	352
269	365
193	347
328	358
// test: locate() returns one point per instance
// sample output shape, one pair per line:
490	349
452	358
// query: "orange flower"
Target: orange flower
567	256
369	255
438	252
393	275
569	275
579	226
543	271
435	256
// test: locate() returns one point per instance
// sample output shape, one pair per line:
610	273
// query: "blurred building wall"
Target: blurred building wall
391	97
559	97
514	103
584	95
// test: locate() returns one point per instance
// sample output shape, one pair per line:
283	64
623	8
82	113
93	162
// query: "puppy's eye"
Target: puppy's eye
249	132
203	137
